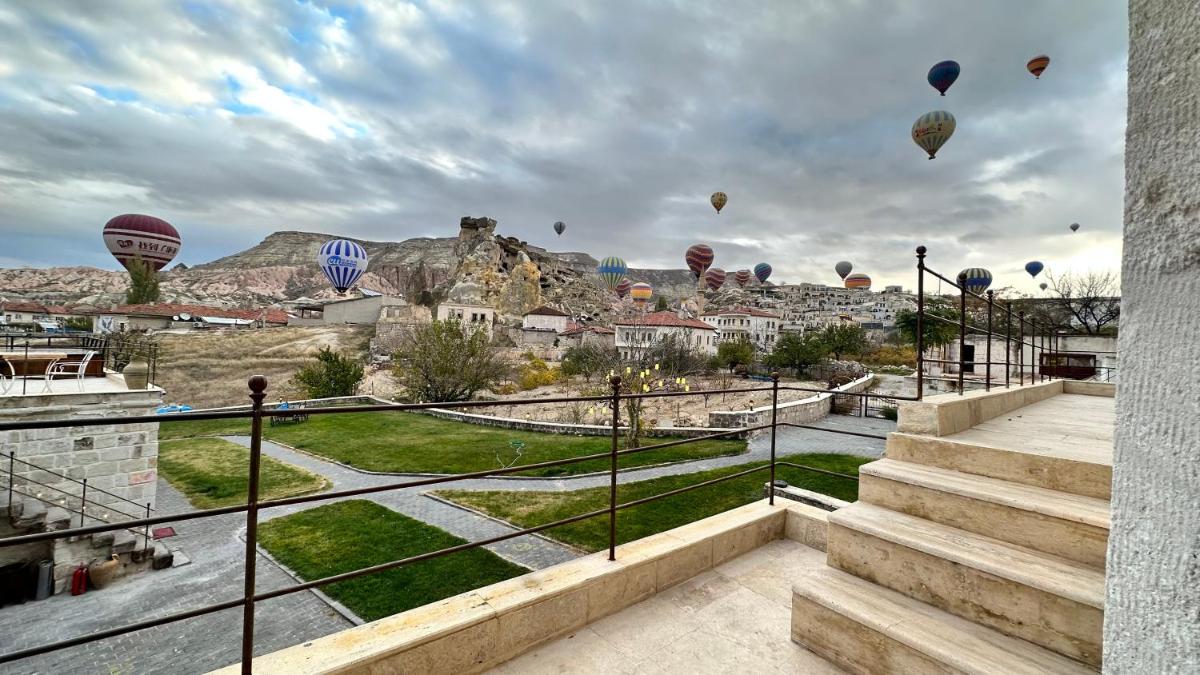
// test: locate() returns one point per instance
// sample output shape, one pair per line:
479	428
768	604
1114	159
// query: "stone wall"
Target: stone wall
570	429
122	460
804	411
1154	548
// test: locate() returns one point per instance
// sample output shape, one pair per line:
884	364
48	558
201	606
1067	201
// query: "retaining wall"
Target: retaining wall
804	411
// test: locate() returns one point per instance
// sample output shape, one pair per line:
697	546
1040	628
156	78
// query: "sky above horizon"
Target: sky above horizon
387	120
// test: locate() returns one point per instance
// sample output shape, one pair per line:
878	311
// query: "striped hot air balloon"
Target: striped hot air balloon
133	236
932	130
975	279
698	258
858	281
943	74
762	272
718	200
714	278
343	262
622	288
641	292
742	277
612	270
1038	64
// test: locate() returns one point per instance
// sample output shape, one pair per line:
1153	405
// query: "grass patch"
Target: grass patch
412	443
528	509
212	472
351	535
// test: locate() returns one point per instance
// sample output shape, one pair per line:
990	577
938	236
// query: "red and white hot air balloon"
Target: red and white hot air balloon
133	236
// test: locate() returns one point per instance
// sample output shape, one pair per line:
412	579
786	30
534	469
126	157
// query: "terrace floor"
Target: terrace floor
1068	426
37	386
733	618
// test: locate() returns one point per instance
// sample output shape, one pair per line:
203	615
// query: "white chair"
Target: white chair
76	368
6	381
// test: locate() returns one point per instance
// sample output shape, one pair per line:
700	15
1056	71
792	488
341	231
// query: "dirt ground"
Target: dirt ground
210	368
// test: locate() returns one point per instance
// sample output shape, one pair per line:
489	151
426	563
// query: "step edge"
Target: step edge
1082	515
992	448
952	553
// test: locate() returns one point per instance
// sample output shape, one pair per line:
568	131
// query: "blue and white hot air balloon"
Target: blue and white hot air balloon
975	279
343	262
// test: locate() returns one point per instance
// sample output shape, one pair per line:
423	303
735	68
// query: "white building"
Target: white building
545	318
761	328
471	314
364	310
638	333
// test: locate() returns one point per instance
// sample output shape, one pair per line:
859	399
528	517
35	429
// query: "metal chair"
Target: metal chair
76	368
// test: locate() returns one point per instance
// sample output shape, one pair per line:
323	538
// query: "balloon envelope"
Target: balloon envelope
698	258
612	270
762	272
559	227
932	130
977	279
1038	64
742	277
858	281
622	288
134	236
943	74
1074	227
714	278
1043	286
718	200
843	268
343	262
1034	268
641	293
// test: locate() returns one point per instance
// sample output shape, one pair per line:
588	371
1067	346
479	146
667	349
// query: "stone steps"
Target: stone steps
1051	601
1062	524
1074	474
863	628
33	515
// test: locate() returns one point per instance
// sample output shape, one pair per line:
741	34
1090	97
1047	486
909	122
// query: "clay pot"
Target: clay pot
103	573
137	374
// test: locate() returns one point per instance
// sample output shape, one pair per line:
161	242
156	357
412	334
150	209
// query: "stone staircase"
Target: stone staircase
964	557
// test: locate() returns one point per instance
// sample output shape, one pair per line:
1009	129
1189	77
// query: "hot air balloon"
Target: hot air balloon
742	277
714	278
1034	268
343	262
932	130
858	281
1043	286
133	236
977	279
843	268
1074	227
559	228
641	293
622	288
612	270
718	199
943	74
1037	64
762	272
699	257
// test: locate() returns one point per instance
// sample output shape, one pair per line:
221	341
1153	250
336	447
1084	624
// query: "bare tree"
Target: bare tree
1088	302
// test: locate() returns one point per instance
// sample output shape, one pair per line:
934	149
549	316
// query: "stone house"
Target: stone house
636	334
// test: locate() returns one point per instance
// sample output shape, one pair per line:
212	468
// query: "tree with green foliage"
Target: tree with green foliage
661	305
447	361
331	374
736	352
798	352
939	328
662	366
844	339
143	283
590	359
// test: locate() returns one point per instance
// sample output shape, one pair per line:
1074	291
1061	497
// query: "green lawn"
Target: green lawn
212	472
527	509
351	535
412	443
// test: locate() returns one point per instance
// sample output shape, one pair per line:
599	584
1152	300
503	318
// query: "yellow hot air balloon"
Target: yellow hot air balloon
933	129
718	199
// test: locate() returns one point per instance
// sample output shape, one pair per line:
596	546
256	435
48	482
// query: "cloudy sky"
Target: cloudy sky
386	120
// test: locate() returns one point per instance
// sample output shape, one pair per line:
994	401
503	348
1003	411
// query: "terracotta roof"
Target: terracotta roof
273	315
745	310
23	307
577	329
545	310
669	319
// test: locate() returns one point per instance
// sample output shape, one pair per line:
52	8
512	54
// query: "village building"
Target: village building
760	327
634	335
471	314
182	316
580	334
365	310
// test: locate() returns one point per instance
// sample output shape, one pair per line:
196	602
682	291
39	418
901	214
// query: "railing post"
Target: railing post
146	534
12	456
1021	348
774	428
1007	345
962	329
83	503
920	321
987	368
615	381
258	388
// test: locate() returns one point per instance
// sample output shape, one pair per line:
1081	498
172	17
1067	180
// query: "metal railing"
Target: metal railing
254	504
113	350
18	484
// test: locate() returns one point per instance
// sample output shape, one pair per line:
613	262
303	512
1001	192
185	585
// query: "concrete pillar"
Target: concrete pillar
1152	616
